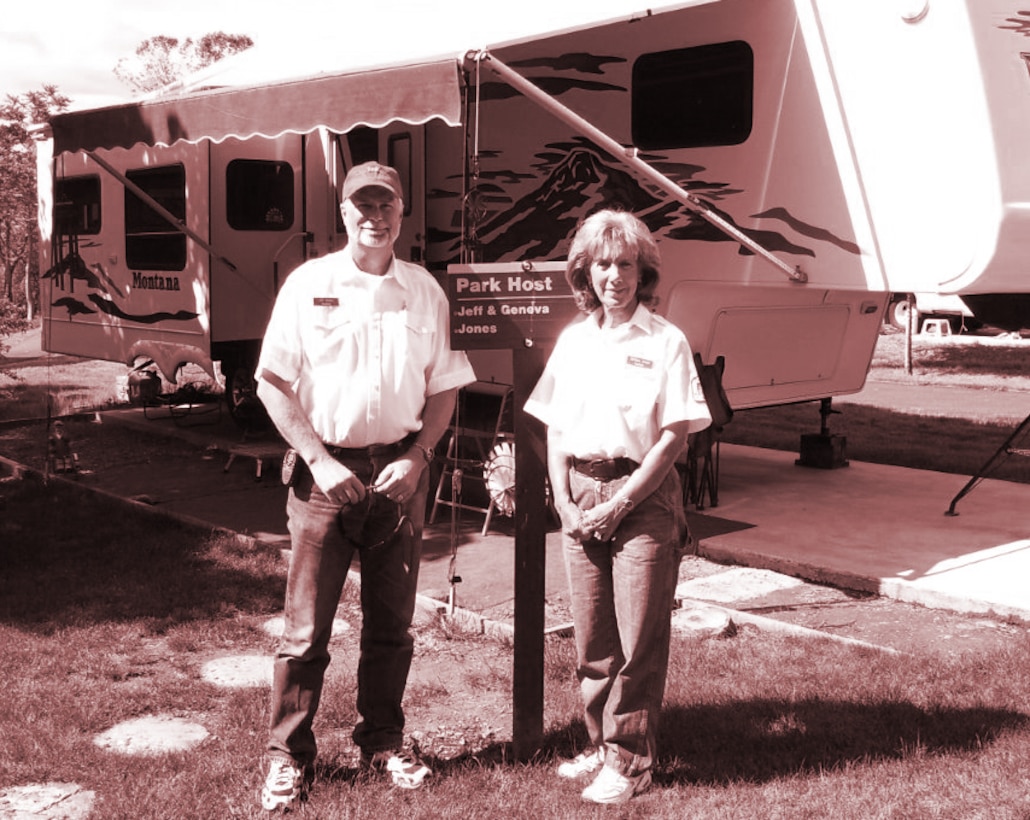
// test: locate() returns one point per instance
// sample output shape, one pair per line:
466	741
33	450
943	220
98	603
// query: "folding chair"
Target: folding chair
482	420
702	467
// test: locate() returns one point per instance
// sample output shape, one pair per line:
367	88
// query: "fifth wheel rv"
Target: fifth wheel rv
799	161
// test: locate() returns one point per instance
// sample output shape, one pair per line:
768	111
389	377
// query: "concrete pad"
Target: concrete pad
196	486
46	801
979	581
879	529
152	735
866	527
486	566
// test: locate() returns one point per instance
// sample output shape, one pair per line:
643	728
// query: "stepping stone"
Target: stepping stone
46	801
701	621
239	671
736	584
152	735
274	626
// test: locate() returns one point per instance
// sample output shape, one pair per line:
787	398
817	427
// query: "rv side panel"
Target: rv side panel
725	99
126	285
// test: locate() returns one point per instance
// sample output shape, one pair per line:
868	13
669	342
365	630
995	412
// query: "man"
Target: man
357	374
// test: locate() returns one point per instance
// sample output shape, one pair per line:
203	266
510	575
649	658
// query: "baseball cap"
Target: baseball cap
372	174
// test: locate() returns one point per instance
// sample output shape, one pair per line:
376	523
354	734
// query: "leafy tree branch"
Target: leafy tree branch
162	60
18	234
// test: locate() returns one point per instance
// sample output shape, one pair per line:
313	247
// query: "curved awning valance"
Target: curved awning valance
413	93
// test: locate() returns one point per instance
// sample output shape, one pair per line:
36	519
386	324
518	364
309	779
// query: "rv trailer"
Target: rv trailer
798	160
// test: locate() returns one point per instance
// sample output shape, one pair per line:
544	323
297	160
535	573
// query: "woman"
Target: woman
619	395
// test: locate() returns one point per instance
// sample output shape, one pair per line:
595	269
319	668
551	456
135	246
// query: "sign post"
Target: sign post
519	307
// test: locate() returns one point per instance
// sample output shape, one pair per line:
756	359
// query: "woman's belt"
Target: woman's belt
604	469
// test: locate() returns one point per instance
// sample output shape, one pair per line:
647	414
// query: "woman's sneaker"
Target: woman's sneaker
583	763
285	784
406	770
611	787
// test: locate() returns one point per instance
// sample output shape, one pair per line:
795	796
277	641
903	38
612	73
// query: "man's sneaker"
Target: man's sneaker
406	771
583	763
284	784
611	787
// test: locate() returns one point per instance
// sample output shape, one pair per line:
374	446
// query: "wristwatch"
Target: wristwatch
428	453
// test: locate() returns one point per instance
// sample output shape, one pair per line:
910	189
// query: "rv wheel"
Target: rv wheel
245	407
897	314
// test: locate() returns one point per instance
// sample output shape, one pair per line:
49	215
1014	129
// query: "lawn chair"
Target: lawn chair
702	463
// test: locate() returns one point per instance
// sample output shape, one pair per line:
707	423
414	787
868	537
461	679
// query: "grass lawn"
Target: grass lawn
109	613
107	616
883	436
63	385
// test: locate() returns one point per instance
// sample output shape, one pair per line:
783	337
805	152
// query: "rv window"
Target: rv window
693	97
259	195
77	205
151	242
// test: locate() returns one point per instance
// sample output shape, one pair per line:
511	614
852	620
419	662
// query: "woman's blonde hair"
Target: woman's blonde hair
608	233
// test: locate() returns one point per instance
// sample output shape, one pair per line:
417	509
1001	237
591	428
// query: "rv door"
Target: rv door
403	147
258	221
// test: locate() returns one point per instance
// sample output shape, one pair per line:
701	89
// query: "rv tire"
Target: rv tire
241	396
897	314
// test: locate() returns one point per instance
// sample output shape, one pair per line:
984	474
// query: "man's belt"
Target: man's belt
388	451
604	469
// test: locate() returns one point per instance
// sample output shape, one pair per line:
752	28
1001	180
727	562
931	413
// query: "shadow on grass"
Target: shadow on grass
946	359
23	398
763	740
880	436
757	741
71	558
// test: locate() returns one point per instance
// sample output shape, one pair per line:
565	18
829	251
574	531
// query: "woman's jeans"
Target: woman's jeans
324	540
622	596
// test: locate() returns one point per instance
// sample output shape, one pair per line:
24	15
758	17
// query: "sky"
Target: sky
76	46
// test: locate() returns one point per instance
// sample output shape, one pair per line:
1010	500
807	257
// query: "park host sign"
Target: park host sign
508	305
521	307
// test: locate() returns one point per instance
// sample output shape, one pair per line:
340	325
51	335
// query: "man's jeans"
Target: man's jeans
622	596
320	558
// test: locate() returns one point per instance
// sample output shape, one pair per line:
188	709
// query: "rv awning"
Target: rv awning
413	93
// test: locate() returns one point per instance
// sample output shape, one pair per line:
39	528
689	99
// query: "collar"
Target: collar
395	271
399	273
642	318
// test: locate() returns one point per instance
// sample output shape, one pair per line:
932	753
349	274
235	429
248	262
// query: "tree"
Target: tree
161	60
18	234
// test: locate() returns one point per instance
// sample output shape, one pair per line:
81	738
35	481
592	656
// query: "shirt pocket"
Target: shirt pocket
418	323
637	394
410	334
330	337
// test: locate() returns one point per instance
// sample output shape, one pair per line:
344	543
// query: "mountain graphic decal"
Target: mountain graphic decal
578	178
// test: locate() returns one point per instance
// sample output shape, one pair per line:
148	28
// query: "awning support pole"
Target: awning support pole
163	212
630	158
